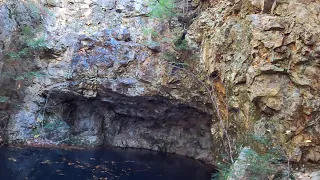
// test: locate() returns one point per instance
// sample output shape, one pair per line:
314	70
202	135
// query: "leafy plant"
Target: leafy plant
171	57
181	45
36	11
36	44
31	44
3	99
224	171
27	31
20	61
18	55
150	32
258	165
161	8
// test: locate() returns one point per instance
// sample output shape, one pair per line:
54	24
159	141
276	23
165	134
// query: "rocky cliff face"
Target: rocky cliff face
104	81
267	61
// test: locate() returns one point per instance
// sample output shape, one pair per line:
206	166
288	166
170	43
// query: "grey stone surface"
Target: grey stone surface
315	175
265	64
101	85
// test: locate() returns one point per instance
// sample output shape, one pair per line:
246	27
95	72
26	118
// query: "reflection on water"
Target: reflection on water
124	164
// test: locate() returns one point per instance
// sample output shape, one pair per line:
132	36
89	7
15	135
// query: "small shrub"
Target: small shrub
30	45
257	165
260	165
181	45
161	9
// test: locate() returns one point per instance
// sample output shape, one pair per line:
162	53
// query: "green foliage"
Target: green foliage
259	165
262	140
161	9
34	9
3	99
173	58
150	32
27	31
181	45
165	40
36	44
37	11
224	171
31	41
18	55
19	63
280	175
30	44
22	59
153	37
55	125
28	75
170	56
47	125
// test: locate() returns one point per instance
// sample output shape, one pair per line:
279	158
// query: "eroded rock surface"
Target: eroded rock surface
102	83
268	64
105	82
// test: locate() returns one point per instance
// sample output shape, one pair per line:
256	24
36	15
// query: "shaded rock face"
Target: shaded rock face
101	85
140	122
268	65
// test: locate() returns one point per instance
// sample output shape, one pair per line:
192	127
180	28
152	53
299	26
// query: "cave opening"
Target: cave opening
154	123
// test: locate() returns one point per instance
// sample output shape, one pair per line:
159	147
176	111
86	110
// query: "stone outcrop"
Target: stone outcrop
268	65
102	82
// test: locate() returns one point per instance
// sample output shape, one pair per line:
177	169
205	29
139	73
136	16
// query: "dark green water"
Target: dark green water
111	163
